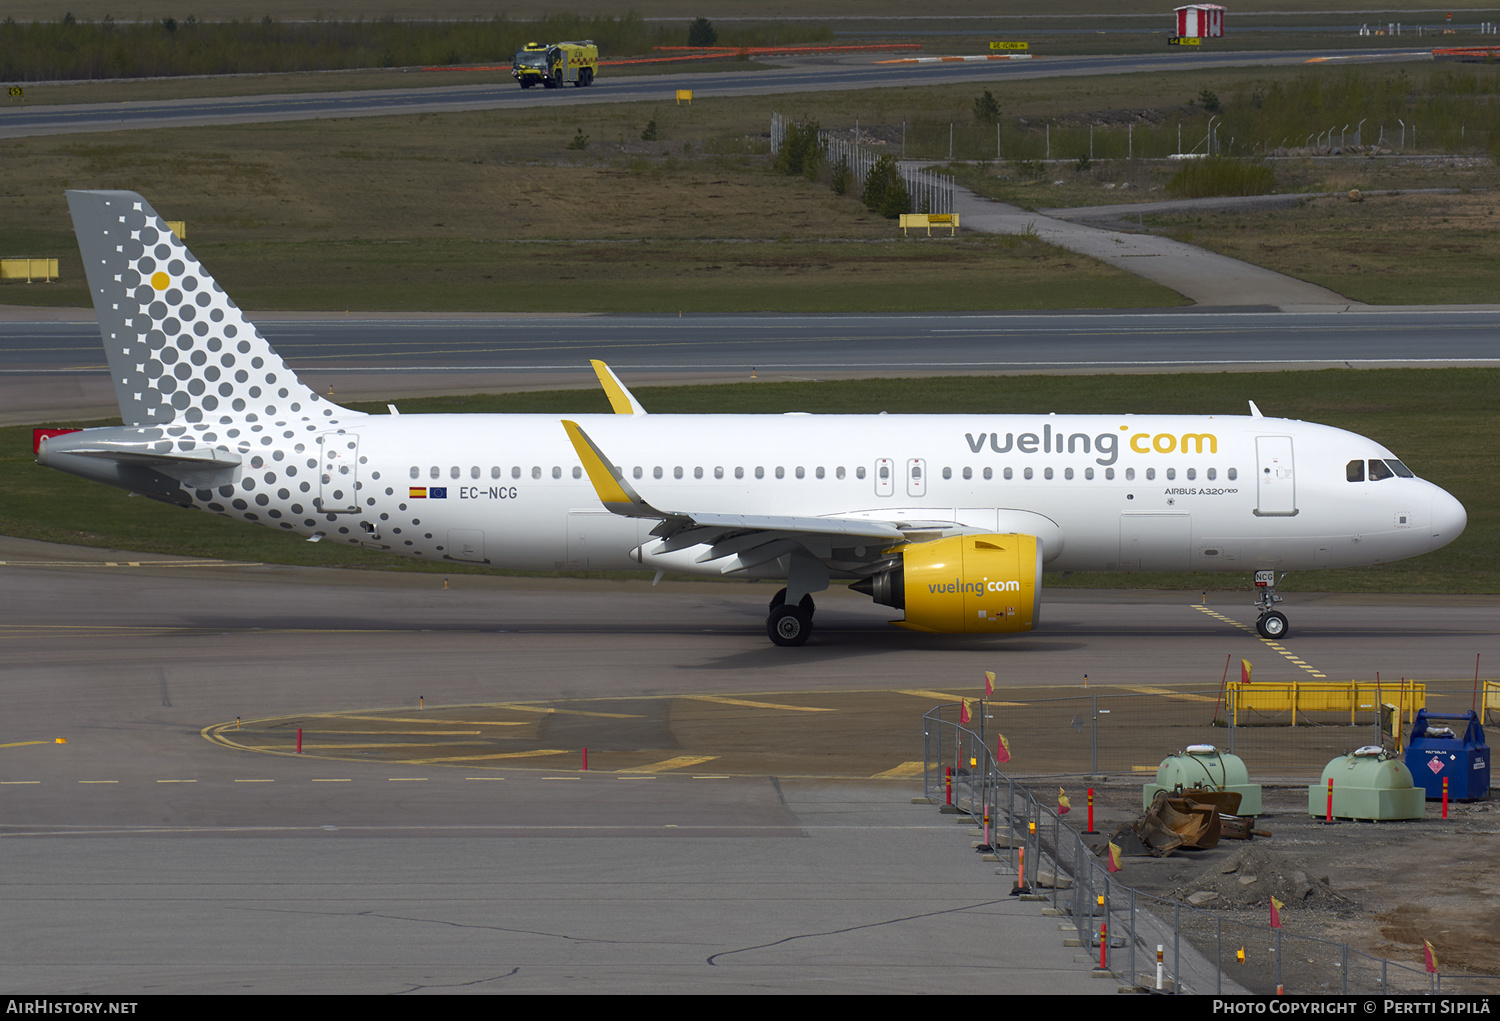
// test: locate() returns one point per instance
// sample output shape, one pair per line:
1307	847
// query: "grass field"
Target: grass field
1444	423
1386	249
493	211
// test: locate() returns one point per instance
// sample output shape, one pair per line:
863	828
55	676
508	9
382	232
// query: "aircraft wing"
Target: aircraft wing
743	540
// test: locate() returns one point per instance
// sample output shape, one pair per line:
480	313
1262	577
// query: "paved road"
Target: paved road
56	369
802	75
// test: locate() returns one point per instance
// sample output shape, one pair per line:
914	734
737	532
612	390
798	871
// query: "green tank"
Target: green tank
1369	783
1204	766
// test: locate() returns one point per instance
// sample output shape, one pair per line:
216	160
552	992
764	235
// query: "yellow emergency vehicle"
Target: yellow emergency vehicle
552	64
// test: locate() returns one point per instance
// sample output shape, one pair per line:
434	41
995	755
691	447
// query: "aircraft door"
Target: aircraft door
338	472
1275	484
885	476
916	477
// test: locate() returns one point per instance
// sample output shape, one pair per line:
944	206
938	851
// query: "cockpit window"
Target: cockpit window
1378	470
1354	471
1400	469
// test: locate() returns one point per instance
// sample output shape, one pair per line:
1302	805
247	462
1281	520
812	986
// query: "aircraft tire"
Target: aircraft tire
788	626
1272	625
807	604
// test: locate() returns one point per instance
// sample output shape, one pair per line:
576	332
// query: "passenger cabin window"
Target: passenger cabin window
1354	471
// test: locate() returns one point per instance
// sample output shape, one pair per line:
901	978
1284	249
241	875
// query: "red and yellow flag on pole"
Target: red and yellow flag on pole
1064	806
1114	858
1429	957
1002	748
1276	907
989	683
964	715
1245	671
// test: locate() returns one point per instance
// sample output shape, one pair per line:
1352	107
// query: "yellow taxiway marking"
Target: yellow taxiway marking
1269	643
721	700
941	696
679	762
406	779
98	781
398	733
21	744
177	781
427	720
566	712
9	783
905	769
494	755
344	779
1146	689
255	781
335	747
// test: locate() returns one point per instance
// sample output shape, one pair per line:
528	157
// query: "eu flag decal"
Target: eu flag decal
437	493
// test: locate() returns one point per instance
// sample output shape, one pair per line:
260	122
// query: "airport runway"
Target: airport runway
53	370
798	76
144	857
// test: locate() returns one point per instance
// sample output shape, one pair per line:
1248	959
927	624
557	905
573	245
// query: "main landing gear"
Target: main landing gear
789	625
1272	622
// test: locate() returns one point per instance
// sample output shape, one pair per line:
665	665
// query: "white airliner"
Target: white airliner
950	518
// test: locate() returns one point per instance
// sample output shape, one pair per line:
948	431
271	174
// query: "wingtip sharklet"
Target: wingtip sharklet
609	484
620	398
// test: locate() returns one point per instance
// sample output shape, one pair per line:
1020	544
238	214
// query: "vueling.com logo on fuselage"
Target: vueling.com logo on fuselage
1106	444
970	588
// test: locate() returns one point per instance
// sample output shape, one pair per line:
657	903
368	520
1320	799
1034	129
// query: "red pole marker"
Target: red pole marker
1330	800
1091	813
1445	797
949	772
1103	946
299	740
585	760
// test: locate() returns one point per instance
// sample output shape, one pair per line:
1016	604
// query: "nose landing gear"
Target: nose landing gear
1271	623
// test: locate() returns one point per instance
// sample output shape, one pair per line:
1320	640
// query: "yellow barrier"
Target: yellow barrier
178	227
1322	697
930	220
1491	696
29	270
685	94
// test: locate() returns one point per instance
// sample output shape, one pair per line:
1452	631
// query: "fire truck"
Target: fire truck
551	64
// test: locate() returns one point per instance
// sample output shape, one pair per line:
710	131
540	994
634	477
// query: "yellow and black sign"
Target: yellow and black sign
1010	46
16	92
1184	40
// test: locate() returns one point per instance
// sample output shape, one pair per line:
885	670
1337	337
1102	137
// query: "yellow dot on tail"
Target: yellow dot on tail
160	281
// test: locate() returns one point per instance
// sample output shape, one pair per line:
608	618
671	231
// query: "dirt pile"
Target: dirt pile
1251	876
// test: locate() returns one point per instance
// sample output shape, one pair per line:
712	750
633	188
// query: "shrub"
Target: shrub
701	33
1221	175
842	175
885	191
799	152
986	109
580	141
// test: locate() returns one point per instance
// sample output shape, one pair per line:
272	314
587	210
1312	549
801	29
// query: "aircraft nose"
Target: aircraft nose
1448	518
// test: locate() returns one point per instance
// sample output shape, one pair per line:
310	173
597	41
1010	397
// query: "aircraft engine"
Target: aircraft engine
975	584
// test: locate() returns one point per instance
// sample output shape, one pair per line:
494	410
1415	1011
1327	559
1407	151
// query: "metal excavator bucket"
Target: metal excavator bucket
1168	824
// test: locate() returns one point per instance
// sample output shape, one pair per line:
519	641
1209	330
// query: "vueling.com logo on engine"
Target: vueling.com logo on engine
971	588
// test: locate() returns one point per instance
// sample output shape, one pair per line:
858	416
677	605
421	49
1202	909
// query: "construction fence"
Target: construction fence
1279	730
1123	929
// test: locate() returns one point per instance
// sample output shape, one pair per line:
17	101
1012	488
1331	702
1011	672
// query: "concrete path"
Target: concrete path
1209	279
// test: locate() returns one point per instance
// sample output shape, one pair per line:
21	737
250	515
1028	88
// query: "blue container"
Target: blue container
1437	751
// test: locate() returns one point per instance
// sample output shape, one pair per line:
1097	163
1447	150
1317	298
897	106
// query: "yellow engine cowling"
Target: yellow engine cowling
965	584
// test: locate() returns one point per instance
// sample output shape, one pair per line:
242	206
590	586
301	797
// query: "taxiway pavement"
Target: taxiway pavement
144	858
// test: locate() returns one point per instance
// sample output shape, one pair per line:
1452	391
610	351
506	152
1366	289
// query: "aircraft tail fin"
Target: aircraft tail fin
179	349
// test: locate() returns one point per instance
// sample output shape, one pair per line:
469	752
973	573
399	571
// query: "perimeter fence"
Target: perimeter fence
929	191
1047	859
